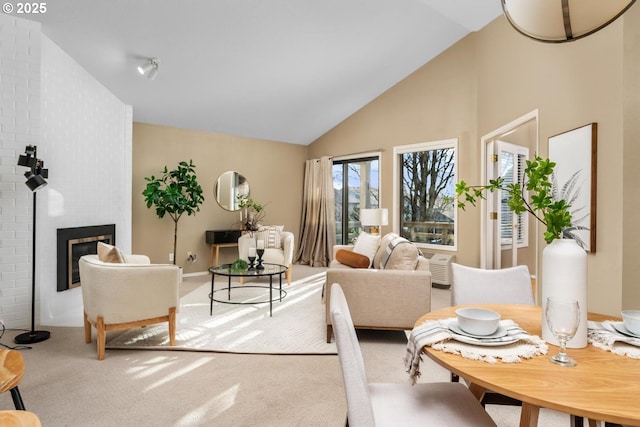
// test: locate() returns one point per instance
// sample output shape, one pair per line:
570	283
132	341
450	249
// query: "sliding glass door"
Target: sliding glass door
356	185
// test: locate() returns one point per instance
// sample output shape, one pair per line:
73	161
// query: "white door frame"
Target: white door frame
487	241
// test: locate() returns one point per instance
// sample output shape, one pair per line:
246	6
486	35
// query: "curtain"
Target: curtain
318	225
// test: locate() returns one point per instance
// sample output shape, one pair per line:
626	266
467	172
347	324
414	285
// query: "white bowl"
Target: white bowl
631	320
477	321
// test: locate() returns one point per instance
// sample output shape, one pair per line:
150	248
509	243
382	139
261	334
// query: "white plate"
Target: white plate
500	332
492	342
623	330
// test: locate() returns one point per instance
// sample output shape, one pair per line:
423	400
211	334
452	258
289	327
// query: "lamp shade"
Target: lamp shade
34	182
374	217
144	69
558	21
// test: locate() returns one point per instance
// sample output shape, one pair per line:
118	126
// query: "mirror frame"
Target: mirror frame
232	184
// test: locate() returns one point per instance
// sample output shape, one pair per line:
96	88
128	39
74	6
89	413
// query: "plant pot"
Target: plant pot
564	275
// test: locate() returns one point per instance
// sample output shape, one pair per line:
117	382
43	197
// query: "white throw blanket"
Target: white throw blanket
604	336
436	333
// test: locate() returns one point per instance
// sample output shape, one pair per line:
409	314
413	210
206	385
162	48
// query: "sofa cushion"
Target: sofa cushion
109	253
352	259
367	244
384	242
399	254
271	235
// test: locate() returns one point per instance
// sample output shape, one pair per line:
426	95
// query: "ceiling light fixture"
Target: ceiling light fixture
559	21
149	68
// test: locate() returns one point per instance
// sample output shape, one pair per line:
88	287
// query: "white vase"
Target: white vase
564	275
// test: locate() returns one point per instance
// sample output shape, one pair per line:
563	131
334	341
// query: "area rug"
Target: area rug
296	327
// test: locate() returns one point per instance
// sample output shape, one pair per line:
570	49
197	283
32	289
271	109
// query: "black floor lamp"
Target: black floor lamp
35	180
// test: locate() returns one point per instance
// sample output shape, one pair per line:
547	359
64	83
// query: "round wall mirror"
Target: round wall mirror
229	186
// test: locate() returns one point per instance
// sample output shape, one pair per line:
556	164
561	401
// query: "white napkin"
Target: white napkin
604	336
436	333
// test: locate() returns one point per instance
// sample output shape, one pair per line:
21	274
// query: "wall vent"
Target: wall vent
440	267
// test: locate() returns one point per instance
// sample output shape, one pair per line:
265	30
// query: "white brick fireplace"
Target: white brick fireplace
84	135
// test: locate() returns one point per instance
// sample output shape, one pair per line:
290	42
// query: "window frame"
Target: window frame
358	158
522	238
398	151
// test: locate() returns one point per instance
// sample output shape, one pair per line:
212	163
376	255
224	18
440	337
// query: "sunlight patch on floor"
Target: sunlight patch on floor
179	372
213	408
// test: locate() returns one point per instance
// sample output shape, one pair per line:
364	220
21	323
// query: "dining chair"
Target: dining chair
11	374
389	404
15	418
511	285
471	285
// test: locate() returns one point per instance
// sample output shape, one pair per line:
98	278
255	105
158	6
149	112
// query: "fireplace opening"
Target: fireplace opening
75	242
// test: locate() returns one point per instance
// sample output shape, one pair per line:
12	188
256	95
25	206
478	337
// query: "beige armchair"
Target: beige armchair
279	246
127	295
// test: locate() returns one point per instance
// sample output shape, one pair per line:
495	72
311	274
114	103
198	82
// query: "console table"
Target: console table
217	239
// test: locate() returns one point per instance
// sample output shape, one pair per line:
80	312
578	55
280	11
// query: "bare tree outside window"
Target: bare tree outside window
428	176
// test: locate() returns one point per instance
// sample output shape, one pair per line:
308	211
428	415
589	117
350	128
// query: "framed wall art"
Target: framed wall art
574	180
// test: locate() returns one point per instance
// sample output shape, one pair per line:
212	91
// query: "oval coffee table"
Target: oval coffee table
269	270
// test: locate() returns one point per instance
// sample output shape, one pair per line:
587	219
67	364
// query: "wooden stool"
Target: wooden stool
11	372
13	418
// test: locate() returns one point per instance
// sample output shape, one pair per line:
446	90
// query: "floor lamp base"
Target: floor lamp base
32	337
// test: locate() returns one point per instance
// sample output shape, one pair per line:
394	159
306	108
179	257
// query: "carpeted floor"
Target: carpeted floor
297	325
67	386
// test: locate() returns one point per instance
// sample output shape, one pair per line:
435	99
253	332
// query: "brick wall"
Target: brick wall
83	133
20	60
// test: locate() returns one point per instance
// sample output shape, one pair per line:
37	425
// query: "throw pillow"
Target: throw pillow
367	245
352	259
383	246
271	234
109	253
399	254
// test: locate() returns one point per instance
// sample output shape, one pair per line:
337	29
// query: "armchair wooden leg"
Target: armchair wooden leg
289	274
172	326
102	337
87	329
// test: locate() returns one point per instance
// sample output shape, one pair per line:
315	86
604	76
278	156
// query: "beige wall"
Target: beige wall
571	84
274	171
414	111
496	75
630	263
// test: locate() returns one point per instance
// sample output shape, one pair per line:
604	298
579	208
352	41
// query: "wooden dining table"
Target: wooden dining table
603	386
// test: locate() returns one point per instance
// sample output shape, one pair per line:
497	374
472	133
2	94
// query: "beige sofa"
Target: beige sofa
388	298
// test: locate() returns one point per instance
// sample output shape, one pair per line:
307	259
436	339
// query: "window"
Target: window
512	162
356	185
424	186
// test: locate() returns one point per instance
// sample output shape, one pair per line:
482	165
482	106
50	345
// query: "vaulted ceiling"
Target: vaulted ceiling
284	70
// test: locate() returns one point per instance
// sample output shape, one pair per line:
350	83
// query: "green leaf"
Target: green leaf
533	195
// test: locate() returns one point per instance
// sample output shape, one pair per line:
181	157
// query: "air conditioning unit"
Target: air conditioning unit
440	267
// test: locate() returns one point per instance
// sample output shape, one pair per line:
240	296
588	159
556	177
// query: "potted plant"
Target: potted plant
175	193
251	213
564	263
535	194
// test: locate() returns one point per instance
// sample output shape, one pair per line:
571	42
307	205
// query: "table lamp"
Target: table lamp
374	219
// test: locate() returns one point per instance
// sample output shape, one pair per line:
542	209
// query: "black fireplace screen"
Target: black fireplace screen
75	242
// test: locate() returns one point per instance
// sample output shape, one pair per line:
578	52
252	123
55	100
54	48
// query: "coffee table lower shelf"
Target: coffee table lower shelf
270	270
